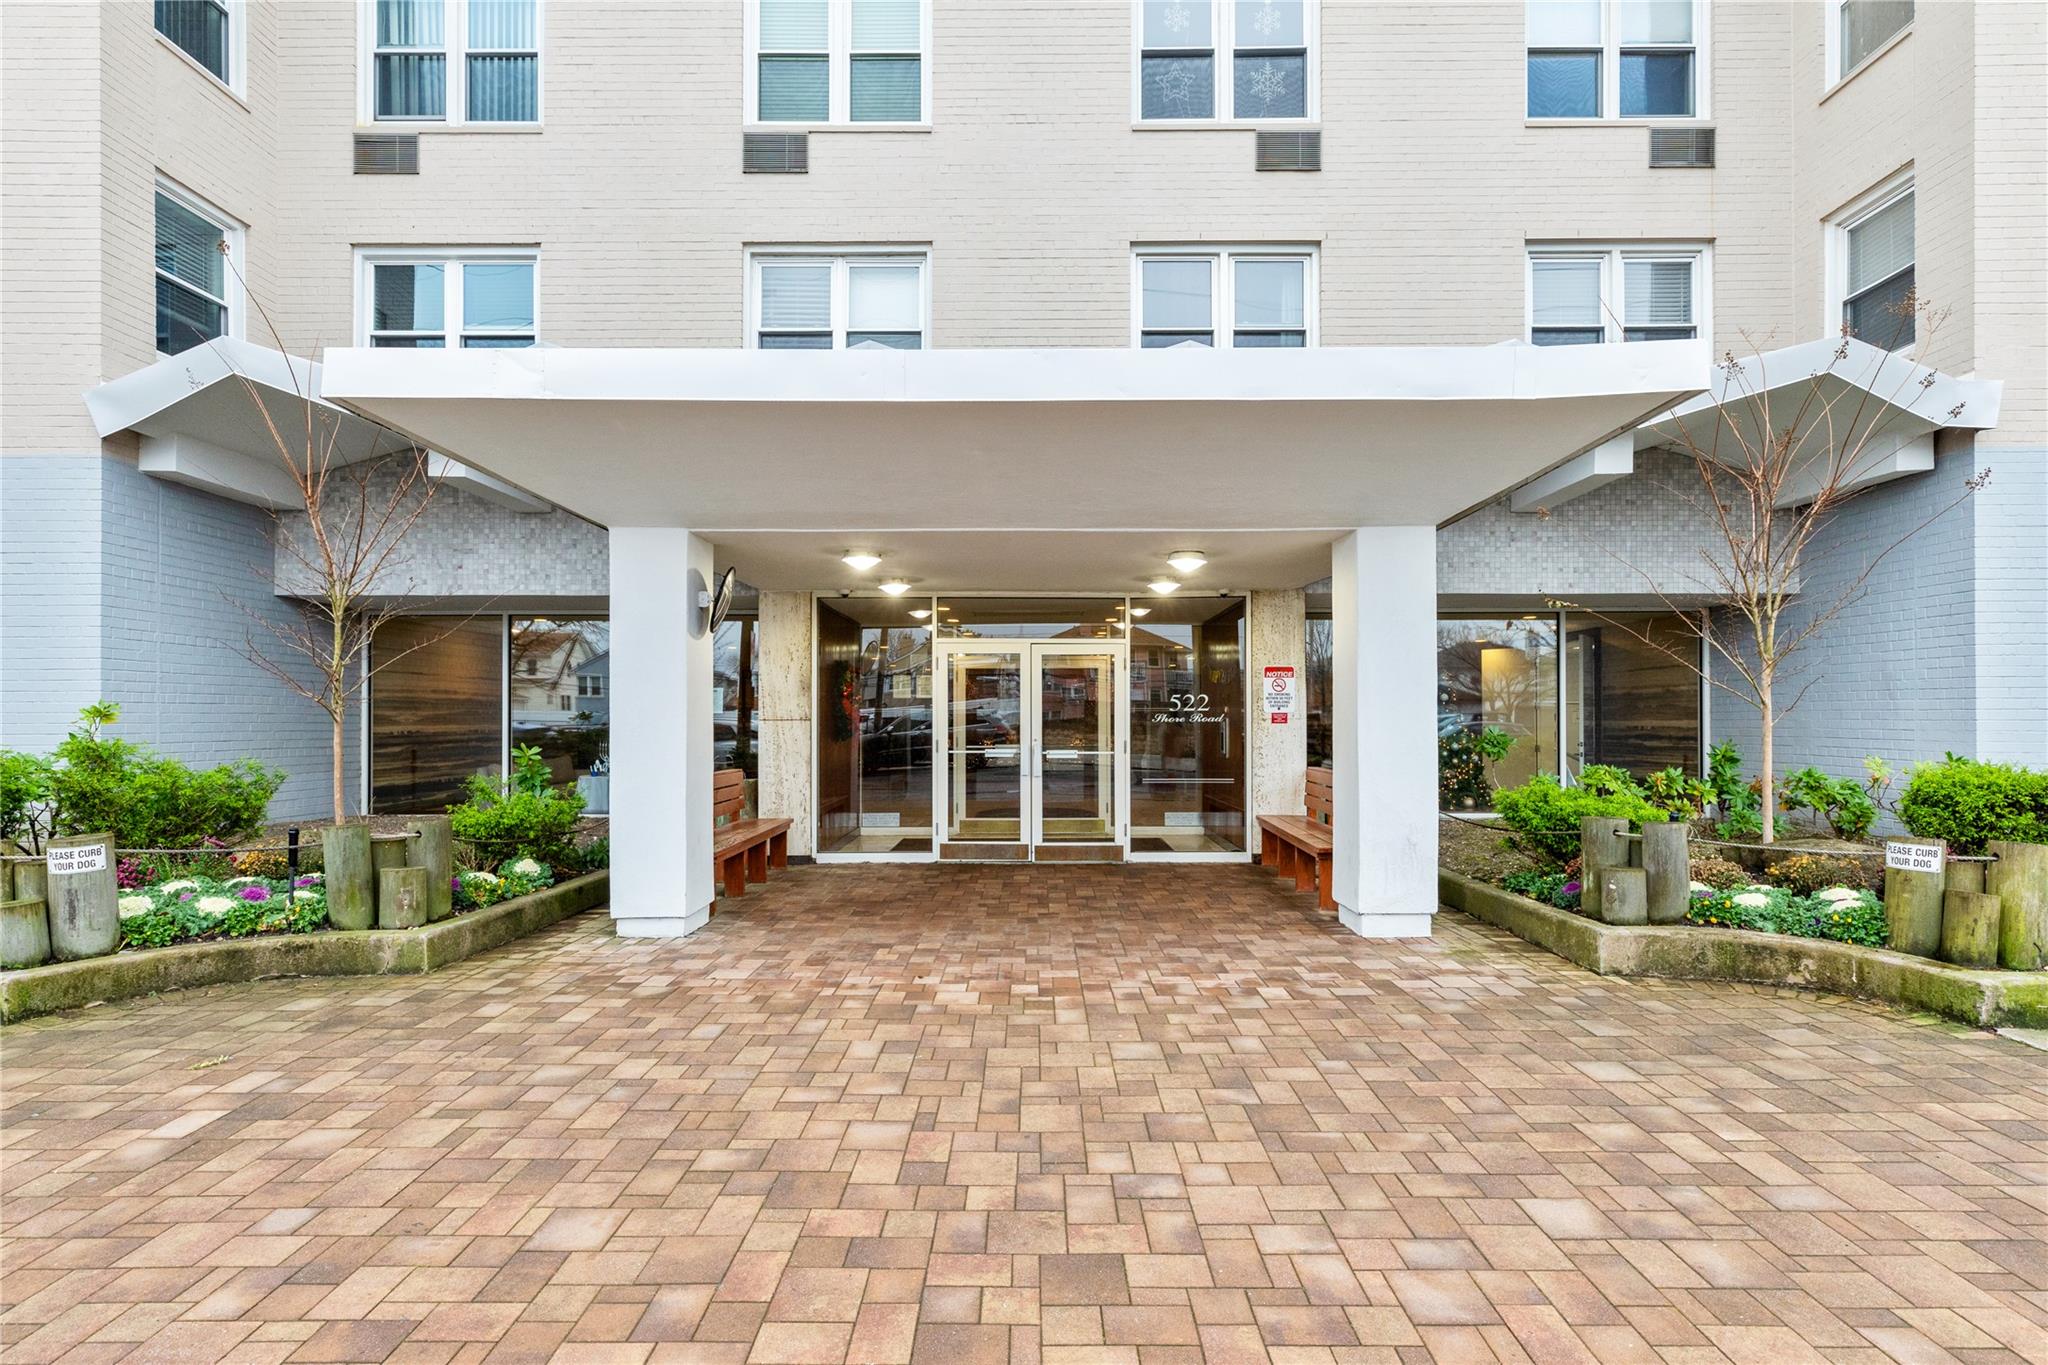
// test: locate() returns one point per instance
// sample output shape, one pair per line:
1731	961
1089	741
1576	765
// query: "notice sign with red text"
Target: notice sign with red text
1279	693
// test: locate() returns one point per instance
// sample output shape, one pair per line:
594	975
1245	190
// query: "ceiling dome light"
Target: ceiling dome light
859	560
1141	611
1187	561
895	587
920	614
1163	586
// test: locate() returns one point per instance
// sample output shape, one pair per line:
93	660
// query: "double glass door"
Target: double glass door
1031	750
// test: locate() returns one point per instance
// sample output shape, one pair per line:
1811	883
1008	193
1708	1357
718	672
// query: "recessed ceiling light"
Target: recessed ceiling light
920	613
1163	586
1141	611
895	587
860	560
1187	561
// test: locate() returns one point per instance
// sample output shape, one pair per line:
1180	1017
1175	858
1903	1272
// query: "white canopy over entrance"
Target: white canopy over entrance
1028	470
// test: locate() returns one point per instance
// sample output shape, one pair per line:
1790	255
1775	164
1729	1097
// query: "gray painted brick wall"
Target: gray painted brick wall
49	594
1895	672
2012	605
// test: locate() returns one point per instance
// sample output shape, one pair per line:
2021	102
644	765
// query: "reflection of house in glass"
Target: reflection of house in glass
558	693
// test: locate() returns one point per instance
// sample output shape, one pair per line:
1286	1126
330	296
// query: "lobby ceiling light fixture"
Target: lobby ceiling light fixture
1187	561
895	587
859	560
919	614
1163	586
1141	611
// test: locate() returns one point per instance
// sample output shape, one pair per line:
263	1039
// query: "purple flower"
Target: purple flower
1572	888
255	893
308	880
185	896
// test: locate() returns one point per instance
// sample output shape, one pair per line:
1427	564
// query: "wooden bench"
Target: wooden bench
1301	845
742	850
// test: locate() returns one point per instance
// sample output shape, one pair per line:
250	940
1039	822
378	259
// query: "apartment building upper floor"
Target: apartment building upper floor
1034	174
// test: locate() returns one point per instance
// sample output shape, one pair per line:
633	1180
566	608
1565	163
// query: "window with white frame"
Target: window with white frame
838	61
1244	297
196	291
1594	59
837	298
1582	296
1872	265
1225	59
207	31
453	61
1858	28
474	298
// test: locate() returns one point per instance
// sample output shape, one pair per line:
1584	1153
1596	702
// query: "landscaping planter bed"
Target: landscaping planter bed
1985	999
328	952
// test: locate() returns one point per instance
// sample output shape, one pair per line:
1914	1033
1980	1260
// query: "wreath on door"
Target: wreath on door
847	719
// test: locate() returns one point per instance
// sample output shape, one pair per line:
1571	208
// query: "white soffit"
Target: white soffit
1578	476
1018	440
201	419
1878	410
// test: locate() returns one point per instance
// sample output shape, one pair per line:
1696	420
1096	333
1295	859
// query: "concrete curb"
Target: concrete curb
331	952
1986	999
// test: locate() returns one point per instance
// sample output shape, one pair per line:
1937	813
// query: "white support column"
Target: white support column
661	750
1383	776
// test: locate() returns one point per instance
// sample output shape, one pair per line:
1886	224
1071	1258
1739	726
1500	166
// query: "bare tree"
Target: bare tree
358	507
1776	463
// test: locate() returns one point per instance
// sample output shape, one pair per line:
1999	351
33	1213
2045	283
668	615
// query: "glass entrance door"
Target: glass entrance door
1031	755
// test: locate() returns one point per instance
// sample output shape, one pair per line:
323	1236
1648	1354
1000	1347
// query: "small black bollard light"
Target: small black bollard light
291	853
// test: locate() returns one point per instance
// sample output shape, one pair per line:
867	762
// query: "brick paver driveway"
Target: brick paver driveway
966	1115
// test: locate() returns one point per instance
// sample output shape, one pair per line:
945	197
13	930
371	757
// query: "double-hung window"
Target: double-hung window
830	299
1858	28
475	298
838	61
1581	296
1230	296
454	61
207	31
1872	261
196	292
1592	59
1226	60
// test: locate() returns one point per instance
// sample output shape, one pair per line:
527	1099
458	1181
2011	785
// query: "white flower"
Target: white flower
525	867
186	885
240	881
480	877
1755	900
216	905
1840	893
135	905
304	895
1699	888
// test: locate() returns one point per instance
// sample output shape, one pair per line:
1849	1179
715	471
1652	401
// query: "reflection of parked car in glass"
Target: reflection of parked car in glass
726	750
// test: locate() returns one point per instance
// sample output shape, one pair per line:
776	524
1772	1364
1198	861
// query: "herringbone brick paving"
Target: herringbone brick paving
1000	1114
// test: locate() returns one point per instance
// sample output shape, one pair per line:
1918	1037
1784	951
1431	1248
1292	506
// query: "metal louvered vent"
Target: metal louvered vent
1681	147
387	154
1291	149
775	153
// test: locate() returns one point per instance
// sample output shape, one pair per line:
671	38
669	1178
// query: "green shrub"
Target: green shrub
1840	801
1968	804
93	782
523	817
1738	804
1560	889
1854	918
1546	815
1677	793
1805	873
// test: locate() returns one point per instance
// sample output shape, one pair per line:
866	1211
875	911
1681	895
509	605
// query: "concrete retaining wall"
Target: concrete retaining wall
1695	953
332	952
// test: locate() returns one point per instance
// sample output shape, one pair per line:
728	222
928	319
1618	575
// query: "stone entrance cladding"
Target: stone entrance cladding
1133	1114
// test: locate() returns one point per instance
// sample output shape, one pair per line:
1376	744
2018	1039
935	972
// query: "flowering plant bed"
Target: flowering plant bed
193	909
1840	914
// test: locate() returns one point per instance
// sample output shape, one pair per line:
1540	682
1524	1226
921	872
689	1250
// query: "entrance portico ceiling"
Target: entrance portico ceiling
1043	470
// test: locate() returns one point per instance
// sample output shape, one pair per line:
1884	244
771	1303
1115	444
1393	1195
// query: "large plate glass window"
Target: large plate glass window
1583	296
804	301
203	30
1861	27
194	285
838	61
1268	46
874	726
558	695
1187	725
1877	242
477	300
436	695
1232	297
455	61
1495	673
1591	59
